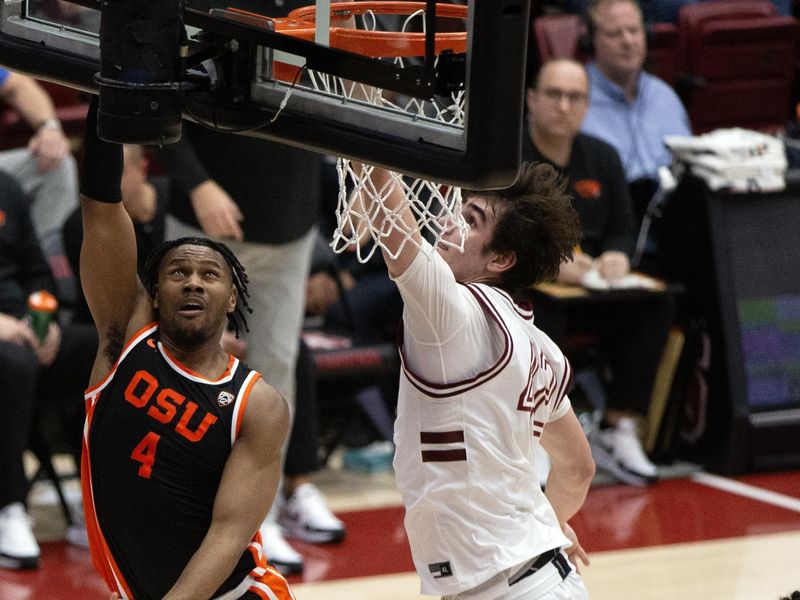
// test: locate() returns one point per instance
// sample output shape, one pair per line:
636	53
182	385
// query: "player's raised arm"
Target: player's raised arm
401	234
108	252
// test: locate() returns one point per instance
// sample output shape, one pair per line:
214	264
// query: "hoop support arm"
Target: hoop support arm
410	80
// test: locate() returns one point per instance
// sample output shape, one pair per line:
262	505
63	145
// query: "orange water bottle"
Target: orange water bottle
42	307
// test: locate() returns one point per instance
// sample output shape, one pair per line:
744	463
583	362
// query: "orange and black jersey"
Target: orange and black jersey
156	440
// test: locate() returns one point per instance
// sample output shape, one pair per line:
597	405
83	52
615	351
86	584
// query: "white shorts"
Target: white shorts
547	583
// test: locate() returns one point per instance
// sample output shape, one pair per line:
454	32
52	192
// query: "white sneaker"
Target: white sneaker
18	547
619	451
305	516
278	551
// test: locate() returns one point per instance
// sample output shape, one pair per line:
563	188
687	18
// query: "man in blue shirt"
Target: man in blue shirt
630	109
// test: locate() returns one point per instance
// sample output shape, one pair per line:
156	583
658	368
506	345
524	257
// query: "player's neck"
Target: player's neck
207	358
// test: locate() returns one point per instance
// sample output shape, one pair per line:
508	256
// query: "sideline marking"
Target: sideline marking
747	490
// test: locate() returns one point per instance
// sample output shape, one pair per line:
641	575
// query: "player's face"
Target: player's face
619	40
195	294
472	264
559	103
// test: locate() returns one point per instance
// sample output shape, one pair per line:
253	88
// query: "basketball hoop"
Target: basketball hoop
360	214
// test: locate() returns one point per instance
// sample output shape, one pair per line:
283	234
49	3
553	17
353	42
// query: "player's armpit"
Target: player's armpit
248	486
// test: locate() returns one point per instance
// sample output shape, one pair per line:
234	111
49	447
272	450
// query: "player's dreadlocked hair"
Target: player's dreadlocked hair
153	264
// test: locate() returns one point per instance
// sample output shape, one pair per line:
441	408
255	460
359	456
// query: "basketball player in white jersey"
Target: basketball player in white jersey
481	387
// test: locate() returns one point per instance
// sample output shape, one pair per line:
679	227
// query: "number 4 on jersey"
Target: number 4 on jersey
145	453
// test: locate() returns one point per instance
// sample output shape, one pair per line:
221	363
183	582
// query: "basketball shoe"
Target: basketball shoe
18	547
618	450
305	516
278	551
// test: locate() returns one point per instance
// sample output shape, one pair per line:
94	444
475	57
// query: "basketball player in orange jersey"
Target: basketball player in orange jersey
481	387
182	443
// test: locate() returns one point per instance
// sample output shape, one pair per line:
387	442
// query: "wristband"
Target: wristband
101	166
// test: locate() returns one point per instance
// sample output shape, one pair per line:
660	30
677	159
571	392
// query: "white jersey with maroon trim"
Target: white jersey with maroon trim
465	454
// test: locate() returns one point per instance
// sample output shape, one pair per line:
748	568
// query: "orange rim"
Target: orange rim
375	44
341	11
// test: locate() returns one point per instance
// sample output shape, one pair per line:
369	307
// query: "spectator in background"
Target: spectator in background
632	333
45	169
629	108
260	198
48	373
557	102
146	199
359	301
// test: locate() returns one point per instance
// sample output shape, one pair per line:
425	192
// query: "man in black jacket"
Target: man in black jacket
632	334
34	372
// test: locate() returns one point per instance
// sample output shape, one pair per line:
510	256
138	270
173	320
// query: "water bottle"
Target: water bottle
42	307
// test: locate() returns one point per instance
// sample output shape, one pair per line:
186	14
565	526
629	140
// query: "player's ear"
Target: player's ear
232	300
502	261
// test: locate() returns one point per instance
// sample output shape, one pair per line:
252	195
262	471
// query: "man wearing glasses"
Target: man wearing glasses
631	334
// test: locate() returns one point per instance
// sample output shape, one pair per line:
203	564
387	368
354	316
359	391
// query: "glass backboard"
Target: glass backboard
449	109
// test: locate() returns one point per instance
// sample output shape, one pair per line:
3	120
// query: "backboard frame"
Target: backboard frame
484	154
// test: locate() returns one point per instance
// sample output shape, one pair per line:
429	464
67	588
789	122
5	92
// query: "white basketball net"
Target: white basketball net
362	220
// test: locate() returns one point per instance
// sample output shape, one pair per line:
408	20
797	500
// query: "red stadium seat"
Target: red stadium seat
662	51
557	36
737	61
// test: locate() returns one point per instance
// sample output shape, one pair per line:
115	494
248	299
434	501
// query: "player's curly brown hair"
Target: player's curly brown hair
535	220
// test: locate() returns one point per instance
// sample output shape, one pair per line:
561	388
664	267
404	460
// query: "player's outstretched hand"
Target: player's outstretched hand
575	551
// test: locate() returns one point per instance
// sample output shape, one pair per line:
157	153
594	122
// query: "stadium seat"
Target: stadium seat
662	51
557	36
737	60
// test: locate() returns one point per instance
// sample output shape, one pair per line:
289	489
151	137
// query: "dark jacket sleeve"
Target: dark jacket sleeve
621	232
183	165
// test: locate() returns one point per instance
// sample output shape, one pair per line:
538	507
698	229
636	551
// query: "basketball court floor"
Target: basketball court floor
692	536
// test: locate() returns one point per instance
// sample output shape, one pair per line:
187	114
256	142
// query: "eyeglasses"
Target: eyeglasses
555	95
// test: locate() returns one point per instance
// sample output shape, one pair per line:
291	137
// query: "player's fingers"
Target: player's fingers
229	217
234	230
580	553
